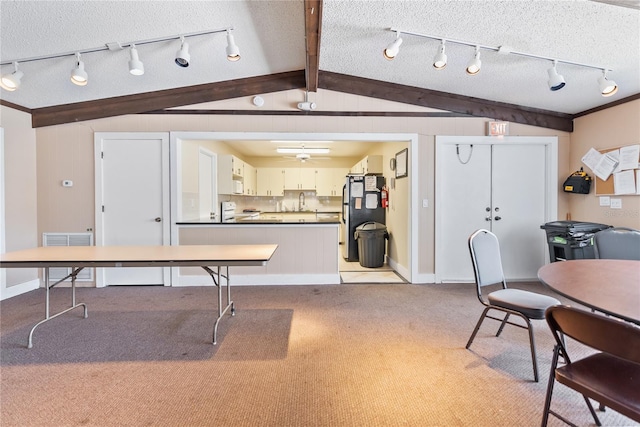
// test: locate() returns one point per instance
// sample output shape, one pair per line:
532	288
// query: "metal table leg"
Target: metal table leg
73	275
215	276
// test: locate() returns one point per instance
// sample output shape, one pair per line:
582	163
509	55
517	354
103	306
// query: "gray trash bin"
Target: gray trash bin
371	243
571	239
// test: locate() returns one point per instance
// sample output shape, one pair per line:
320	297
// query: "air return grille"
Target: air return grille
68	239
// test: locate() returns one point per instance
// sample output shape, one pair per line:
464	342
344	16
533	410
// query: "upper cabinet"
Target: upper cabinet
250	180
329	181
230	172
368	166
270	181
299	179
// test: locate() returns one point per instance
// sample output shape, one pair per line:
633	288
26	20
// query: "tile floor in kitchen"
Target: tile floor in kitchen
353	272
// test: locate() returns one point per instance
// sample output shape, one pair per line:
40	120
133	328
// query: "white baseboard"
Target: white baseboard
268	279
19	289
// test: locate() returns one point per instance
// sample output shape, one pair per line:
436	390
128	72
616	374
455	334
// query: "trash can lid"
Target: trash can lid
371	226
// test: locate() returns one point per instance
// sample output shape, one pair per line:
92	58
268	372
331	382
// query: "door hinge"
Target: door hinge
102	154
102	208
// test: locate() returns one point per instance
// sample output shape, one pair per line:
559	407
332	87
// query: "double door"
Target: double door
501	187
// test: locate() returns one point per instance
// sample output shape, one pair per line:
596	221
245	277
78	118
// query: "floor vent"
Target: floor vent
69	239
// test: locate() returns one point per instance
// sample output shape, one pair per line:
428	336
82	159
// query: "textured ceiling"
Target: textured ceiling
271	37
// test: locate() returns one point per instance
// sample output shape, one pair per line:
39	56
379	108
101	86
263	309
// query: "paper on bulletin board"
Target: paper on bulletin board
624	182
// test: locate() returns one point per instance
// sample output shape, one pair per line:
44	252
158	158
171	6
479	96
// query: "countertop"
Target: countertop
250	221
330	217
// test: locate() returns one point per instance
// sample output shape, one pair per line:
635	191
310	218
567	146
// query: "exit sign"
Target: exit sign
497	128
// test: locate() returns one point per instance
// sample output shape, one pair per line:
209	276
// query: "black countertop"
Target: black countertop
261	221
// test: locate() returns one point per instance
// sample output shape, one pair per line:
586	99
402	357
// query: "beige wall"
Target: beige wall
66	152
20	188
614	127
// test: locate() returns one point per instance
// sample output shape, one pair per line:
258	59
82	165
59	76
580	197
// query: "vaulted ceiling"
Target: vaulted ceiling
313	44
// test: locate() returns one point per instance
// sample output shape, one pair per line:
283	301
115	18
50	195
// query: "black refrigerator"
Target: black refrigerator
361	202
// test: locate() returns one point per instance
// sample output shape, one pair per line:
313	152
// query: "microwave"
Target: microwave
238	187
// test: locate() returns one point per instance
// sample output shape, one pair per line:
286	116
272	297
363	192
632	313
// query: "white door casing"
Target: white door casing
132	200
208	183
516	175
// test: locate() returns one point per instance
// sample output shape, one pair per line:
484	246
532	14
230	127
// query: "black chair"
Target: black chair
610	376
487	267
617	243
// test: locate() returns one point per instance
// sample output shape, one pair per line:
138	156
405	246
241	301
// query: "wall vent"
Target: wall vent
68	239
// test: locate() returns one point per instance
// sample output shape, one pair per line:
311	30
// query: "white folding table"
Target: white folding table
214	259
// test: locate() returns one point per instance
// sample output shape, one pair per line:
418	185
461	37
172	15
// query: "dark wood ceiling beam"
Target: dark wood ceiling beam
445	101
313	28
143	102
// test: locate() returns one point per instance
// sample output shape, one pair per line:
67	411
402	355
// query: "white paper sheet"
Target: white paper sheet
602	165
629	157
371	201
624	182
357	189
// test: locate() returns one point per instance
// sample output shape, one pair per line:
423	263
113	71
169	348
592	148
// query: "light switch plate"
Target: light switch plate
67	183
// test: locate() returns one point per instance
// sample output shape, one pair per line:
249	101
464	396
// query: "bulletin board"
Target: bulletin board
606	188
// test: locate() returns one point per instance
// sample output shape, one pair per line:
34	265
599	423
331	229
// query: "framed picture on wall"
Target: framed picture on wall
402	158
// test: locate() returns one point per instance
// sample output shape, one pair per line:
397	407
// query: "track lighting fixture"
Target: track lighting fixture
11	81
556	81
233	53
473	67
79	76
182	56
440	60
392	50
136	67
607	87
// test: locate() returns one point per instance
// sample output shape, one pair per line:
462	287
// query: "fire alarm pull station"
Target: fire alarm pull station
67	183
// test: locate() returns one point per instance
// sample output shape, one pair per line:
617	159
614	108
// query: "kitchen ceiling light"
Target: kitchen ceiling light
301	150
392	50
136	67
233	53
556	81
607	87
182	56
440	60
473	67
11	81
79	76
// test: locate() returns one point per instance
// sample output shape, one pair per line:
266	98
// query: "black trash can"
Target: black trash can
571	239
371	238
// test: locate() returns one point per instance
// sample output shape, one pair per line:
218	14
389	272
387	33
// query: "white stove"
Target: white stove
228	210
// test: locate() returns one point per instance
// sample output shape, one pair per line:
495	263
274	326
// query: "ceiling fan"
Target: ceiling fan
304	155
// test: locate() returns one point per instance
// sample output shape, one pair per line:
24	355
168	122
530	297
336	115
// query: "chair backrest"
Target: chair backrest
601	333
617	243
485	256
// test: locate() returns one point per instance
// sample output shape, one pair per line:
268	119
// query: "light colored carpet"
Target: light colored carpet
339	355
388	276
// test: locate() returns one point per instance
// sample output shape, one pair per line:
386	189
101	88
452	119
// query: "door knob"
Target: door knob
487	218
498	218
158	219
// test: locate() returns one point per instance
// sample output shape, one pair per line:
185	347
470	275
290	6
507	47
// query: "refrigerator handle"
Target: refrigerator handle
344	190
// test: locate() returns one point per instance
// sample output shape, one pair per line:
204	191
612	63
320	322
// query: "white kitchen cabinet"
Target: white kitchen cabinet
250	180
299	179
329	181
270	182
368	165
230	170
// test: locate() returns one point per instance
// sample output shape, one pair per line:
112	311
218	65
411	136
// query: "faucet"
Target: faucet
300	200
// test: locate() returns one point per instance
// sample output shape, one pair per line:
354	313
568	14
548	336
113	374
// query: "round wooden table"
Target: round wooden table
605	285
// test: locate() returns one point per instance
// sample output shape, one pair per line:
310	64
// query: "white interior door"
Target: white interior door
464	196
505	187
518	207
132	201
